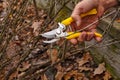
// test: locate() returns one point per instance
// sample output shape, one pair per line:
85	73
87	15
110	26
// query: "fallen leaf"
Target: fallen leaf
85	59
13	75
82	62
11	50
60	72
118	20
107	76
87	56
59	67
53	54
85	69
25	66
59	75
101	68
70	67
20	75
5	4
44	77
75	74
35	27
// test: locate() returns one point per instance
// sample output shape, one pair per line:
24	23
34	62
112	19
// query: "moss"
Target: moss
99	59
96	55
113	73
113	48
63	14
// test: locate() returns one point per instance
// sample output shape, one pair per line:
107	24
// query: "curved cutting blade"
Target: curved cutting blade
50	34
51	41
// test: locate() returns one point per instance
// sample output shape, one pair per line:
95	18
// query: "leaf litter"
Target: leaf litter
77	67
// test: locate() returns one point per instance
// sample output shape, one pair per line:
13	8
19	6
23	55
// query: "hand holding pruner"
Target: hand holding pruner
60	32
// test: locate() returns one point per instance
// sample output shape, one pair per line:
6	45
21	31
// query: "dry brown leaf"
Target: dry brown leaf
25	66
43	77
35	27
87	56
101	68
59	67
60	72
75	74
53	54
59	75
85	59
11	50
20	75
82	62
118	20
107	76
13	75
70	67
85	69
5	4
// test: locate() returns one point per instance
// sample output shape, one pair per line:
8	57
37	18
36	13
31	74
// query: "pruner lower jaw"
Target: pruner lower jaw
55	34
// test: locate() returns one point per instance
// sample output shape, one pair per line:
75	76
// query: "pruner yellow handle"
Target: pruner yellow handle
72	35
70	19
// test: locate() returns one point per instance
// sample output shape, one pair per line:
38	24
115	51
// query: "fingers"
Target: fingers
81	23
77	19
74	41
90	36
86	36
82	37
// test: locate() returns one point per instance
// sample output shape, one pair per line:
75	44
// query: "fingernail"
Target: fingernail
78	23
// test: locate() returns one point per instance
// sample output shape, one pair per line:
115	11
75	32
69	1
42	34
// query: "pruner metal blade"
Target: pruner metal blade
50	34
53	33
51	41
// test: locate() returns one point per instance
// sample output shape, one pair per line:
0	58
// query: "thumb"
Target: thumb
78	22
77	19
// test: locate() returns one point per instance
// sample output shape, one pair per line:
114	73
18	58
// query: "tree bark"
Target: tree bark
109	49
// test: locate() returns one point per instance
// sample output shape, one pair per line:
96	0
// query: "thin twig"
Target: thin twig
115	42
36	10
111	24
93	22
52	19
74	52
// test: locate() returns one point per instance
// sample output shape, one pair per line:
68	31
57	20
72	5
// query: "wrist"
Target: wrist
107	3
86	5
118	1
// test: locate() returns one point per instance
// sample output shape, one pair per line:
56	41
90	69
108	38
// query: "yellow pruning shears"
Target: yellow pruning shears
56	34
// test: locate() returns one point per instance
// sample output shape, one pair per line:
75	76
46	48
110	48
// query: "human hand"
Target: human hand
80	23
